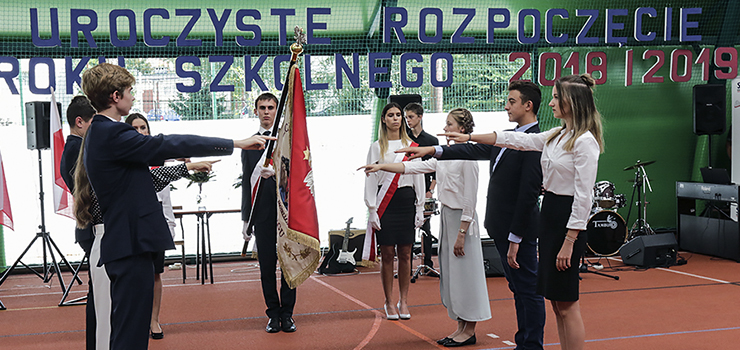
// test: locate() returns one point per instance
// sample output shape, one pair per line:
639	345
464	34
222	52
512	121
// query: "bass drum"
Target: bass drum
607	232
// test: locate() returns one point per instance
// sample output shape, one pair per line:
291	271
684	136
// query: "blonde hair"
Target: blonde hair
577	92
83	191
383	130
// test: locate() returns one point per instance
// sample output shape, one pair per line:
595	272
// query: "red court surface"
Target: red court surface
693	306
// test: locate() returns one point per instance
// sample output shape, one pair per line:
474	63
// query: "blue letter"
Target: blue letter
416	71
276	69
73	73
219	24
309	84
32	75
341	66
638	23
685	24
523	39
316	25
112	17
242	41
457	37
372	57
493	24
179	63
252	73
182	39
582	38
389	23
75	26
423	25
228	61
282	31
668	22
148	40
448	57
15	68
549	16
36	39
610	25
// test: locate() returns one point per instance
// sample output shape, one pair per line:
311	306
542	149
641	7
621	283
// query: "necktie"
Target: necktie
266	133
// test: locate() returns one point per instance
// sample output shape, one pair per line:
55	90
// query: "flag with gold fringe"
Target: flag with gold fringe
298	224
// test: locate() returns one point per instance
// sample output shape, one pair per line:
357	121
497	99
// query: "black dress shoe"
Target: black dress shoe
273	326
443	340
288	325
159	335
452	343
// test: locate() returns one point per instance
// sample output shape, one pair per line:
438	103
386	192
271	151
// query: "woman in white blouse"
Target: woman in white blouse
395	216
462	276
570	156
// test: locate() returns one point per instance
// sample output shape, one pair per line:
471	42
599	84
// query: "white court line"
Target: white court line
492	335
507	342
685	273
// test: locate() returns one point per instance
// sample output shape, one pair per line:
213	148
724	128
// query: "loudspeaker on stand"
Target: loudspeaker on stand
37	124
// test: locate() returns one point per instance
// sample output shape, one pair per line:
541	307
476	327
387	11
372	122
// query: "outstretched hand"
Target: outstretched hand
456	137
370	168
204	166
256	142
416	152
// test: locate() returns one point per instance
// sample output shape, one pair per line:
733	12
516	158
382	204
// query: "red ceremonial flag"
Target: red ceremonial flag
298	224
63	201
6	215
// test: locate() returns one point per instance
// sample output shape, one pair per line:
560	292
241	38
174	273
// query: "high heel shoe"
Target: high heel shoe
388	315
402	316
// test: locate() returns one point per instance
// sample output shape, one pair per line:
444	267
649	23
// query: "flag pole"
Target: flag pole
296	49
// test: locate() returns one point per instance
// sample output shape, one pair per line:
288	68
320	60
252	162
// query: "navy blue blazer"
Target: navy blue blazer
66	168
513	188
117	162
266	206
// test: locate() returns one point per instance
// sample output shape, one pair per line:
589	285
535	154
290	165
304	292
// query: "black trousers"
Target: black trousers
278	306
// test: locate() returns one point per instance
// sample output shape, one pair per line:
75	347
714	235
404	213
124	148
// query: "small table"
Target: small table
203	260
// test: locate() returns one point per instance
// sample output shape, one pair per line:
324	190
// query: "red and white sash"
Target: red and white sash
388	186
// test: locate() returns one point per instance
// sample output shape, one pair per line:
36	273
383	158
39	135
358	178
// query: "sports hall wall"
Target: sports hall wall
193	61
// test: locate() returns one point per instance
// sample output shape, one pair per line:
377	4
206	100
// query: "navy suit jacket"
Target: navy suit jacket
117	161
66	168
266	208
513	187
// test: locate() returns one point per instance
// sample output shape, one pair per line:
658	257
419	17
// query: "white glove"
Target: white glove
267	172
247	237
374	220
419	219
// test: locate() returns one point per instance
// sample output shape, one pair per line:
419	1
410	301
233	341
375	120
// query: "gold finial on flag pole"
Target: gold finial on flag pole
300	40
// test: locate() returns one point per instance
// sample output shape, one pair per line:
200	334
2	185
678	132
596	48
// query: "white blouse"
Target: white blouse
564	173
372	181
457	182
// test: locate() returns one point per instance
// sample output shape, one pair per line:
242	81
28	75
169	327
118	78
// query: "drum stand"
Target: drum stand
422	268
640	227
584	269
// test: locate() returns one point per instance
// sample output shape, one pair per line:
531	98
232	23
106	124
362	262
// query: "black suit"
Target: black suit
265	232
117	162
513	190
425	139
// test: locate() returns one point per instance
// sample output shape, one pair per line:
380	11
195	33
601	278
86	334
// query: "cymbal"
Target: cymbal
638	164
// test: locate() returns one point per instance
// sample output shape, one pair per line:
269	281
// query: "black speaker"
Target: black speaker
37	124
650	250
491	258
709	109
403	100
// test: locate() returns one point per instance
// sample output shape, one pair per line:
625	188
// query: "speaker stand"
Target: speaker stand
584	269
80	300
50	265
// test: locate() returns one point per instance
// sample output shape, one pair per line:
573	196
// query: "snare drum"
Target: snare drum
431	207
607	232
604	195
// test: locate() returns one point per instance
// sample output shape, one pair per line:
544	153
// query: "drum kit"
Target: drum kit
607	230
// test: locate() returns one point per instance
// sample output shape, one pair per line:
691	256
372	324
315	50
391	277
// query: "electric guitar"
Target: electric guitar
344	255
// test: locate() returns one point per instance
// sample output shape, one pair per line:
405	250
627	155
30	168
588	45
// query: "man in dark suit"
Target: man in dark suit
511	210
279	305
117	159
79	117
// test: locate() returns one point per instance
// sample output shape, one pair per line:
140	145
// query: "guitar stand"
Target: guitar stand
584	269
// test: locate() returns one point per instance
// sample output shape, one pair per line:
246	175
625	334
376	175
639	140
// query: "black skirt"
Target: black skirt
551	283
397	223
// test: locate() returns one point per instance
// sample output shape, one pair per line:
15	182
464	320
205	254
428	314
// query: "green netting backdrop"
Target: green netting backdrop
646	121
